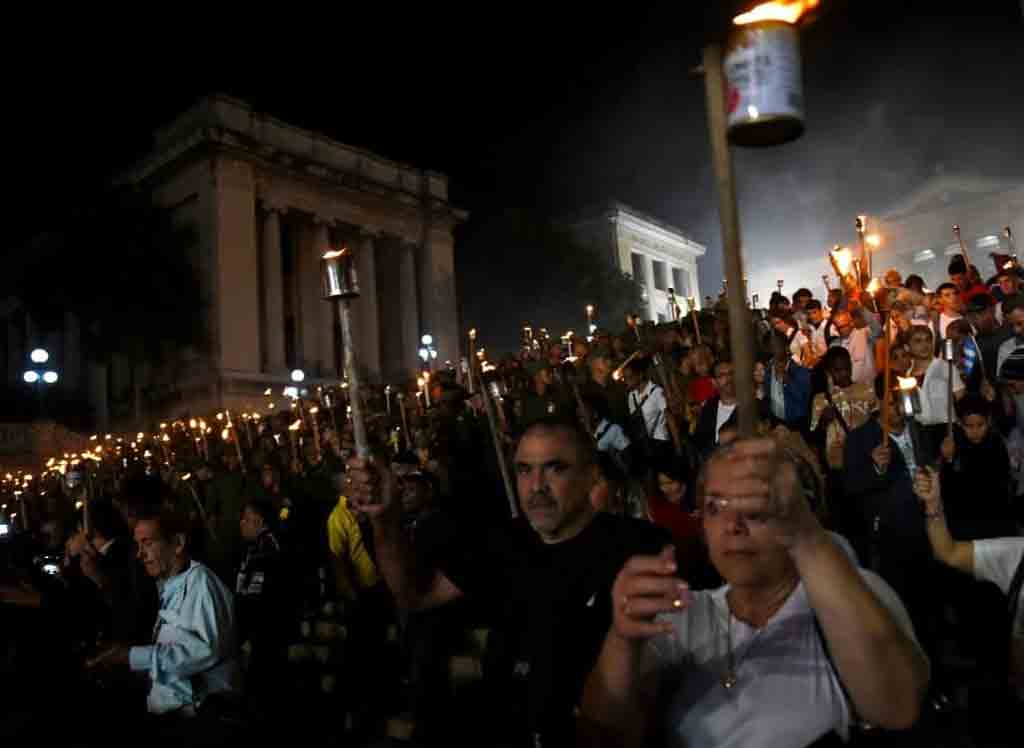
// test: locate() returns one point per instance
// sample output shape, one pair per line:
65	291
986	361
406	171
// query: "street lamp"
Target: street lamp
37	377
427	352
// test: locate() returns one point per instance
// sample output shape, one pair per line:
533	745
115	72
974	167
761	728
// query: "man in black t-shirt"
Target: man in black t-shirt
544	579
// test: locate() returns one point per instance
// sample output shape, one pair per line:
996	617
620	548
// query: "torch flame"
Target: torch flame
331	254
296	425
874	285
192	423
787	11
590	308
224	434
472	334
873	240
314	410
907	383
267	392
843	258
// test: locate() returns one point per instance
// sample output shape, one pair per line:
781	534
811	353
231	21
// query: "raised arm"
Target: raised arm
880	665
373	489
621	690
956	553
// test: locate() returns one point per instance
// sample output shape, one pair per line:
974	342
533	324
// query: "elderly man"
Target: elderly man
545	578
796	641
193	654
857	341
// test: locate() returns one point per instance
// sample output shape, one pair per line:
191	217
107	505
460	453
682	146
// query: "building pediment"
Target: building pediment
945	190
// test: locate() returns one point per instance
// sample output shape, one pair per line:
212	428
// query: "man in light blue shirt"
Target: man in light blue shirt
194	649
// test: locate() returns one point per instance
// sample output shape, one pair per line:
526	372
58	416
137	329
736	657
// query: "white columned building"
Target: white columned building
267	199
656	254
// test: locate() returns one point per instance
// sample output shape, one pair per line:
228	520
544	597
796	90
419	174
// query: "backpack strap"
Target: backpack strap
1014	591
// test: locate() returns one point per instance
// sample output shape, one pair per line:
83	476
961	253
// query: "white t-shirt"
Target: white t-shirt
944	320
653	407
723	414
935	392
862	354
996	561
786	695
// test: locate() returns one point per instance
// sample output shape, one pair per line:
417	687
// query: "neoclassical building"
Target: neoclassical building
268	199
916	233
656	254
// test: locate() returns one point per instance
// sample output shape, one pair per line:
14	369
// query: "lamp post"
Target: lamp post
427	352
40	377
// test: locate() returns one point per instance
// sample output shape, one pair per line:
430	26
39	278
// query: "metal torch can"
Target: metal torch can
764	91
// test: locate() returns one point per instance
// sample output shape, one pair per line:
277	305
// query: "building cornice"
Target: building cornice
225	124
661	237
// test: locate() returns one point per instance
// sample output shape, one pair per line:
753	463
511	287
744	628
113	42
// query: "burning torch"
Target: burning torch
340	286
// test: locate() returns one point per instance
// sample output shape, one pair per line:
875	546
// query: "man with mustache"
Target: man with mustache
545	578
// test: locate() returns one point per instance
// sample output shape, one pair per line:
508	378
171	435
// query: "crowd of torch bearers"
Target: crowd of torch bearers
174	445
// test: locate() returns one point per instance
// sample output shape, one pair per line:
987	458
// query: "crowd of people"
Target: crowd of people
850	573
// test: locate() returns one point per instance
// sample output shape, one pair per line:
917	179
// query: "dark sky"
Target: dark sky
547	109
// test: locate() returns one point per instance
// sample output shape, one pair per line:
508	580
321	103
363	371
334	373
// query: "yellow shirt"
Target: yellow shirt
355	569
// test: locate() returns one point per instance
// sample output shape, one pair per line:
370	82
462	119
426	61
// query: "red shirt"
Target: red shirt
682	525
700	389
973	291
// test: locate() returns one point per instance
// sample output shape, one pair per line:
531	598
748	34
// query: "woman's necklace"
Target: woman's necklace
729	678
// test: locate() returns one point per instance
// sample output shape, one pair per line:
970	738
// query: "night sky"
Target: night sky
548	110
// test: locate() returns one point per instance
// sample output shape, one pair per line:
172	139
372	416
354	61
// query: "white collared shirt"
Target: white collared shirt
787	693
862	353
651	401
195	649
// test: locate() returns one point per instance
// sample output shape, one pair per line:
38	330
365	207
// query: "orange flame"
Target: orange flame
907	383
843	258
787	11
874	285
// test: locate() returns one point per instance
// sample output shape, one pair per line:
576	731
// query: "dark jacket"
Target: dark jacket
976	489
705	436
890	496
129	594
796	392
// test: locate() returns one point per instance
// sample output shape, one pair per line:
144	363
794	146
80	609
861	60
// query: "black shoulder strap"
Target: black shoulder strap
1015	588
839	416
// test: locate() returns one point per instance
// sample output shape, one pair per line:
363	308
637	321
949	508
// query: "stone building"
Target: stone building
656	254
267	200
916	233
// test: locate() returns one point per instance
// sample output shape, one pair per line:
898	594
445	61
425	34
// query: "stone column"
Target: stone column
273	293
366	309
408	301
237	264
309	302
653	298
694	285
438	316
325	315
